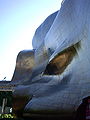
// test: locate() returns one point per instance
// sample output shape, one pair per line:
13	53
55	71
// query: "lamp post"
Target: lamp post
4	103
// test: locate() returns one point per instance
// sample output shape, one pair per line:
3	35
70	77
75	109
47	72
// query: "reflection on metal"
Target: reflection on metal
54	77
60	62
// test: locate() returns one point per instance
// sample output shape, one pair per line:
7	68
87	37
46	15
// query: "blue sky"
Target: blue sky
18	22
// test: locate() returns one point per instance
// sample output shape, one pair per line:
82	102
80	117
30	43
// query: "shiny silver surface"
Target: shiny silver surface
51	90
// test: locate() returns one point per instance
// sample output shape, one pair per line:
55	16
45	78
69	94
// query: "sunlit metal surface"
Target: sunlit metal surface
59	74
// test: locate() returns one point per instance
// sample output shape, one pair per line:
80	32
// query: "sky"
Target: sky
18	21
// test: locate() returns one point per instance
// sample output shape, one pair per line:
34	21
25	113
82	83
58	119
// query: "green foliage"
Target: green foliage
6	116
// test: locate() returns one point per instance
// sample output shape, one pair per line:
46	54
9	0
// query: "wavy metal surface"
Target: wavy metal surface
50	90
